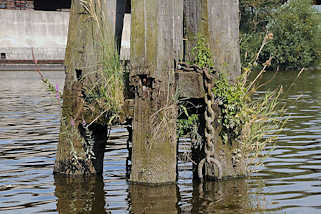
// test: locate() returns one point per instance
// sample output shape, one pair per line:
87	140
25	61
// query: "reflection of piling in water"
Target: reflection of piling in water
154	199
80	195
216	197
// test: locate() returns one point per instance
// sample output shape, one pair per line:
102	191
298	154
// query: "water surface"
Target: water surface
290	181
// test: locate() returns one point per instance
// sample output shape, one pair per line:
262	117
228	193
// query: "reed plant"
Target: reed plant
51	88
104	94
261	122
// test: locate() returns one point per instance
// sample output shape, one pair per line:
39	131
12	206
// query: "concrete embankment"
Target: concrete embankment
21	31
44	33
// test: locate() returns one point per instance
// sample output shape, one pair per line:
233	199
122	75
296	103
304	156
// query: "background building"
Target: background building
35	5
33	26
40	27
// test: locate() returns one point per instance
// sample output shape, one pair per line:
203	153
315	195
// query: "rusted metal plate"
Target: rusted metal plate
189	84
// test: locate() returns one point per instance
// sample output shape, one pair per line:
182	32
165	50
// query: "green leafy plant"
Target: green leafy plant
297	36
245	119
188	122
201	53
230	98
295	43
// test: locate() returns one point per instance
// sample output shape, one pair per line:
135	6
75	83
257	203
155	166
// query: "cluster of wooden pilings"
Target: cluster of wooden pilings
163	32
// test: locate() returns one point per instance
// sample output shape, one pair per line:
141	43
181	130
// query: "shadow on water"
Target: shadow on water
80	195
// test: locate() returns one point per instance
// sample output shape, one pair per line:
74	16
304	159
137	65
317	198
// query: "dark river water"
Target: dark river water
289	181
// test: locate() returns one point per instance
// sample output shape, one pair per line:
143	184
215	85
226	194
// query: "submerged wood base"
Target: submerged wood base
73	158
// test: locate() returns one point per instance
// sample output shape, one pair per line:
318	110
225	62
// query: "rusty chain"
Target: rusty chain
209	119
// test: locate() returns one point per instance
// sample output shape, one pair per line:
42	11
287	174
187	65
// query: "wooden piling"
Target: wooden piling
155	46
218	23
91	22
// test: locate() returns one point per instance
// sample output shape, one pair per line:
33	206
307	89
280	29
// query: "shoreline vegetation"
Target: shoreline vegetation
294	29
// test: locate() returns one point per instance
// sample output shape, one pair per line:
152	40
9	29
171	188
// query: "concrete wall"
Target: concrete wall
125	40
44	31
317	7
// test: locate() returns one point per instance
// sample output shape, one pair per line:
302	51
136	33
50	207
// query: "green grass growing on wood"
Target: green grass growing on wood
104	96
244	121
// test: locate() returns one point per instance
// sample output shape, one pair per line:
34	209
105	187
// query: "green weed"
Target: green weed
244	120
104	98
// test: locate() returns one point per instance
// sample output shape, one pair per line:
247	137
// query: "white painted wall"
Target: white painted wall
22	30
44	31
125	40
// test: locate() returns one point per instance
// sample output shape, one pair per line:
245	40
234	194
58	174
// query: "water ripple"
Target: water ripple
290	180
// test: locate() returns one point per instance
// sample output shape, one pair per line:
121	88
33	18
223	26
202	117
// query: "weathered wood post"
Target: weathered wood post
156	29
91	28
218	22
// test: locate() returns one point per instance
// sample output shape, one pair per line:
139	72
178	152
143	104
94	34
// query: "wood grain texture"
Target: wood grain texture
83	56
154	49
218	22
223	31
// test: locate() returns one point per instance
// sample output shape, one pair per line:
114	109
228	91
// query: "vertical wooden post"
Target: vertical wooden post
195	23
223	34
218	22
154	49
92	22
115	17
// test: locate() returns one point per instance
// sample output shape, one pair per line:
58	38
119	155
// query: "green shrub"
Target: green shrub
296	36
255	14
231	99
249	46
